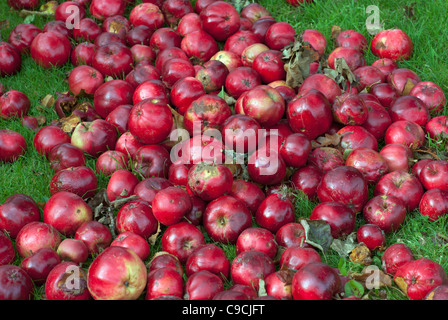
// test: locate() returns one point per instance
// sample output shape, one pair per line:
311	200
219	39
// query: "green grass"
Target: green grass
426	25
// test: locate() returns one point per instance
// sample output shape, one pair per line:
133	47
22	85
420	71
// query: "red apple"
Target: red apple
417	278
162	282
395	256
372	236
279	35
73	250
34	236
170	205
64	156
430	94
101	9
402	185
434	175
339	216
95	235
11	60
137	216
315	281
66	211
133	242
80	181
220	19
259	239
12	145
351	39
111	161
22	35
393	44
67	281
225	218
274	212
344	184
208	257
125	279
371	163
181	239
14	104
295	257
40	263
307	179
16	284
50	49
203	285
397	156
7	252
386	211
434	204
249	267
17	211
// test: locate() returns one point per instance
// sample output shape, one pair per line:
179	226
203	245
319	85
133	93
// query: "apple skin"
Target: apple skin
73	250
16	284
294	258
34	236
81	181
164	281
17	211
203	285
434	175
137	216
117	273
95	236
7	252
181	239
372	236
315	281
339	216
403	185
249	193
66	211
48	137
395	256
170	205
417	278
393	44
249	267
208	257
40	263
386	211
434	204
95	137
274	212
346	185
225	218
259	239
133	242
64	156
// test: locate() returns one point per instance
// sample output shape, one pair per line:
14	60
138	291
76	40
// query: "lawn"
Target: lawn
424	21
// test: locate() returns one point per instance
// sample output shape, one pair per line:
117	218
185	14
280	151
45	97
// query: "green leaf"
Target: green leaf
353	288
29	19
342	266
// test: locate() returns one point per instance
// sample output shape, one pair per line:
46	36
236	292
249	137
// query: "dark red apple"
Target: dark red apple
7	252
14	103
11	60
133	242
295	257
95	235
121	184
67	281
274	212
208	257
16	284
164	281
386	211
170	205
40	263
344	184
220	19
249	267
22	35
64	156
137	216
203	285
291	234
434	175
315	281
80	181
279	35
351	39
307	179
339	216
371	163
101	9
397	156
403	185
17	211
50	49
395	256
225	218
111	161
430	94
12	145
181	239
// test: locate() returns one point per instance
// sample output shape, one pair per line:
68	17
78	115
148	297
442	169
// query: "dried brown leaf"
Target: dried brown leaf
365	277
335	31
361	255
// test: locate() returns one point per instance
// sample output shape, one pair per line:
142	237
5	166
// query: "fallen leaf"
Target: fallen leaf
48	101
335	31
317	233
345	247
407	87
372	277
361	255
327	140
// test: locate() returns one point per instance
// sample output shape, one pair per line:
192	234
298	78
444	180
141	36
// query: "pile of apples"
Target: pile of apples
168	67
